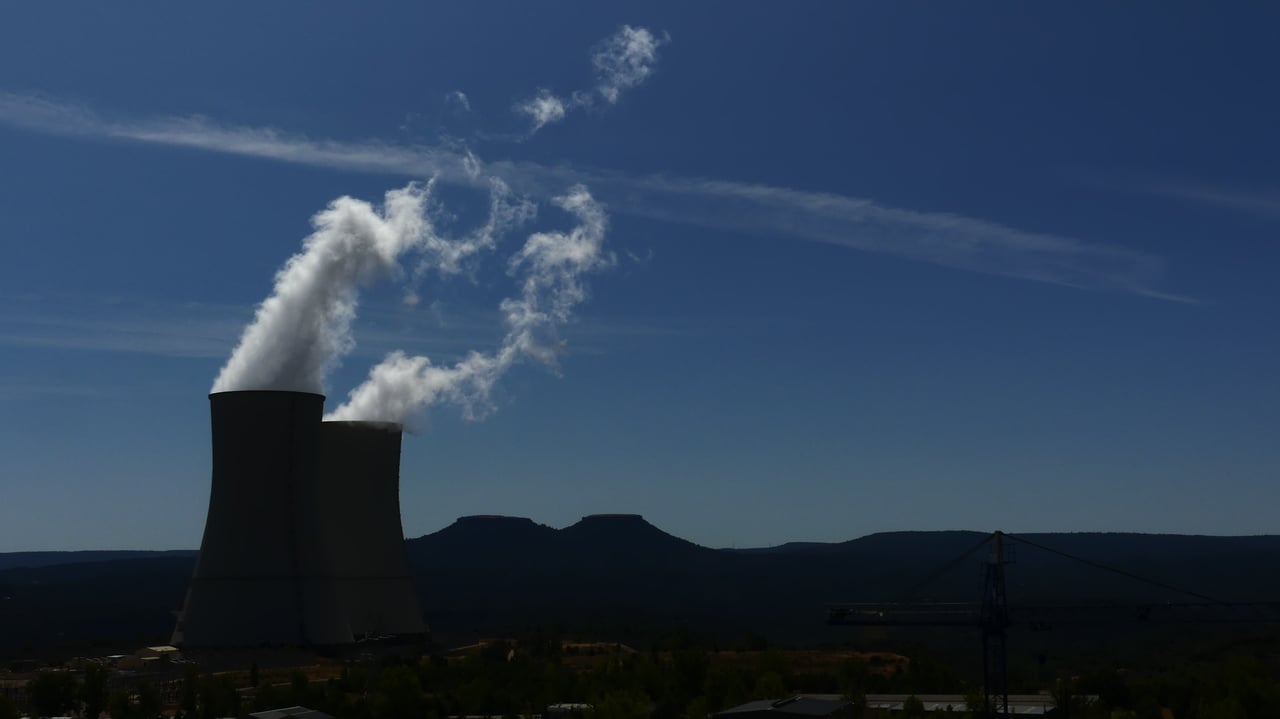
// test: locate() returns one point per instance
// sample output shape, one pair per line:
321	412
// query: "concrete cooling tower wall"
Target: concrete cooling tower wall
264	571
359	491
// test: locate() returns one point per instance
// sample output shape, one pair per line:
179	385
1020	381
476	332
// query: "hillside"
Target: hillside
618	575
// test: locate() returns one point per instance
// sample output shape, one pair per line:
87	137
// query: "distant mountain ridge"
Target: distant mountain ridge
12	560
613	574
611	569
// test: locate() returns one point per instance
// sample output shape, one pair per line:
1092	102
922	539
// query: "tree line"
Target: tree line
679	681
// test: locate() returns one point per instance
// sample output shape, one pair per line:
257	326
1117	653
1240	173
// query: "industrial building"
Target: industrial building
796	707
359	491
302	544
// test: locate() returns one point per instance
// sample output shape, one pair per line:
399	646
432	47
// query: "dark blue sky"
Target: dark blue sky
880	266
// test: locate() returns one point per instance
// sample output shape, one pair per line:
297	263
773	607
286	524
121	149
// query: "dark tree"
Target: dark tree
93	691
267	697
190	690
218	698
149	704
299	688
52	693
8	710
119	706
399	694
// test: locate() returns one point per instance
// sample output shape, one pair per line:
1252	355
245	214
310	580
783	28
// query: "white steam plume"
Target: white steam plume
544	109
304	327
623	60
460	99
551	265
451	256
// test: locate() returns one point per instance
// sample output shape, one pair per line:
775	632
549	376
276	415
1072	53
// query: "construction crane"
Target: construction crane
993	615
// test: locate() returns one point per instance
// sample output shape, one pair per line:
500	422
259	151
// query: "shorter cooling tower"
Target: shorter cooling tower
359	495
263	576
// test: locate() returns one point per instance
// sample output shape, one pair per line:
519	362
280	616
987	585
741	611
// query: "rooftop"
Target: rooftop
292	712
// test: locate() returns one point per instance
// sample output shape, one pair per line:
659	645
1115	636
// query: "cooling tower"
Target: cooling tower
360	493
264	574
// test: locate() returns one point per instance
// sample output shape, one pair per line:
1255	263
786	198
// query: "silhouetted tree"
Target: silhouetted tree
190	691
769	686
300	689
149	704
335	698
93	690
266	697
1110	686
52	693
724	688
1064	697
853	678
974	702
399	694
690	669
119	706
697	709
623	704
218	698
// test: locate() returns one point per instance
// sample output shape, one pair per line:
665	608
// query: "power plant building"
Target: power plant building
302	543
360	490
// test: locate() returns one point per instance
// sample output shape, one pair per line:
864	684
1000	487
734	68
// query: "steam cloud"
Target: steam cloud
624	60
302	331
550	265
506	212
304	328
543	109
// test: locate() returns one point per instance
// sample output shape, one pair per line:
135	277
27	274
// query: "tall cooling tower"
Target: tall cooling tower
264	572
360	491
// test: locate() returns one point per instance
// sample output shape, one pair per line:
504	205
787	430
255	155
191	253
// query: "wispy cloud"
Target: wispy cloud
938	238
95	324
460	99
1263	203
206	331
39	114
622	61
15	388
209	331
625	60
543	109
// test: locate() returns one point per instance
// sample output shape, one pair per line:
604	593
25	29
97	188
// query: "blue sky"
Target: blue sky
878	266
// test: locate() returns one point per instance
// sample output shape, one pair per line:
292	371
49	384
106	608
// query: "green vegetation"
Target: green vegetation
52	693
673	680
93	689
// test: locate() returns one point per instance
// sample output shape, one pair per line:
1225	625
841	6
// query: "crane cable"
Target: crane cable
1121	572
911	592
